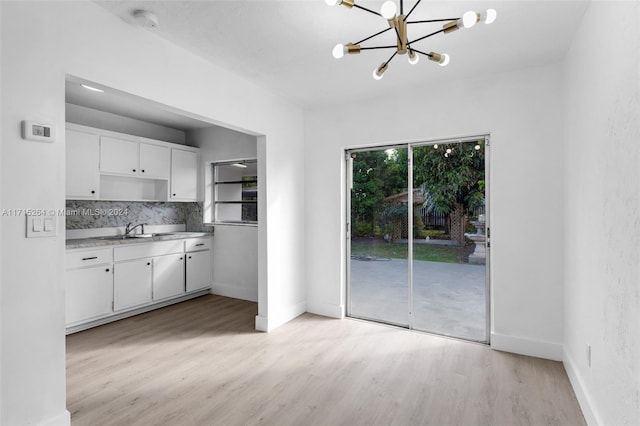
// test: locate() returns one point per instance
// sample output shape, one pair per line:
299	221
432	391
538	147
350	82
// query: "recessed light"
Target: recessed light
95	89
145	18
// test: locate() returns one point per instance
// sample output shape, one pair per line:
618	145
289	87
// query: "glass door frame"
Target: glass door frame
348	184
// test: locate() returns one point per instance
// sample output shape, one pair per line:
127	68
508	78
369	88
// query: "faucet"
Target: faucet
129	229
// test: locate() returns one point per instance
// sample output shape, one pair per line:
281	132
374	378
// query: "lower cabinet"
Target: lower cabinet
107	282
168	276
198	270
132	283
89	293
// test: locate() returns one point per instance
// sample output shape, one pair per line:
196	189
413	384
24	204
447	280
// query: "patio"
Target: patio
449	298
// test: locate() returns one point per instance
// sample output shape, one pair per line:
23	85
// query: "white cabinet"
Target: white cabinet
119	156
198	270
88	281
81	170
168	276
184	175
132	284
88	293
154	161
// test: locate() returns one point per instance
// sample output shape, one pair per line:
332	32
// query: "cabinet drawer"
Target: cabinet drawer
156	248
79	259
195	244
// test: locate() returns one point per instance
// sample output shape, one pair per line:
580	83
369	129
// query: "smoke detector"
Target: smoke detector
145	19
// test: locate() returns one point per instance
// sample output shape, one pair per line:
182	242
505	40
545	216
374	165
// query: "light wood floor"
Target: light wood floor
202	363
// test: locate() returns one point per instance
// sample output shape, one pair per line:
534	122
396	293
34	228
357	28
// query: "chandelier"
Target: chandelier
399	24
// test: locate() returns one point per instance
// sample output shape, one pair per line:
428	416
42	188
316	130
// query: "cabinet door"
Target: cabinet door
118	156
184	175
154	161
168	276
198	270
82	162
131	284
88	292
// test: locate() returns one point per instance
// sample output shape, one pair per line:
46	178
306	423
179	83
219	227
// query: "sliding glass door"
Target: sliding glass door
379	284
418	237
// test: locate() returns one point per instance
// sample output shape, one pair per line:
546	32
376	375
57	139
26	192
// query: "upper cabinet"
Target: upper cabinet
105	165
155	161
132	158
184	175
82	157
119	156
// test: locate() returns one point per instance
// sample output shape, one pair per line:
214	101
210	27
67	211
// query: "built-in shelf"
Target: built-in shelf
121	188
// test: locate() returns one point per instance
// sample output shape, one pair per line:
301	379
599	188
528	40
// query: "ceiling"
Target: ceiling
286	46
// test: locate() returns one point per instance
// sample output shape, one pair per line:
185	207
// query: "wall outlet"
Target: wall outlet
589	355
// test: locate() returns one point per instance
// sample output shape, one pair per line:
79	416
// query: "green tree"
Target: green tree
452	177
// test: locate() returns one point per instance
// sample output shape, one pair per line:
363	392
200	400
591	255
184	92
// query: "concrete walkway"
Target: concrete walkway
449	298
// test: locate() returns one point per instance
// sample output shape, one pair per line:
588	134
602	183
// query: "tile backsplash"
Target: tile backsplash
82	214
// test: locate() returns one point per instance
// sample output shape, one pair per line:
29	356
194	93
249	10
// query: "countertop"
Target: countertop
101	242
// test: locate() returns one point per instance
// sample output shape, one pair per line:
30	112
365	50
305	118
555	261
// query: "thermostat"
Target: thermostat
38	131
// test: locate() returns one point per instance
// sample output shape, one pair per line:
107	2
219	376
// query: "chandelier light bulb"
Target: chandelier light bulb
339	50
445	60
413	57
488	16
378	73
469	19
388	10
333	2
435	146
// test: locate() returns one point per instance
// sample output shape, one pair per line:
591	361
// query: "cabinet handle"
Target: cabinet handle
142	170
90	258
189	257
148	263
180	258
106	270
93	192
134	170
174	195
201	244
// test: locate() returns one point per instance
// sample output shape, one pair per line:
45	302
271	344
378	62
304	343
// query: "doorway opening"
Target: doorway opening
418	243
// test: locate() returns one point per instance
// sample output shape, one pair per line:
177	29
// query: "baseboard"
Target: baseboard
270	323
588	411
63	419
326	310
529	347
235	291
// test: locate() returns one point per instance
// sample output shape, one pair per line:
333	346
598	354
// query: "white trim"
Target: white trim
285	315
584	399
236	291
326	310
63	419
529	347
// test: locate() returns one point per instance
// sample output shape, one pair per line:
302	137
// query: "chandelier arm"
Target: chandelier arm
368	10
389	60
401	7
370	37
378	47
428	35
414	6
420	52
432	20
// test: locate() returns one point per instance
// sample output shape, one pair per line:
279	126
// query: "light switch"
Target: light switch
37	224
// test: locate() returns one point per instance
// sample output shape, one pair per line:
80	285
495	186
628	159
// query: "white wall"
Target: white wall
117	123
602	224
83	40
521	110
235	248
